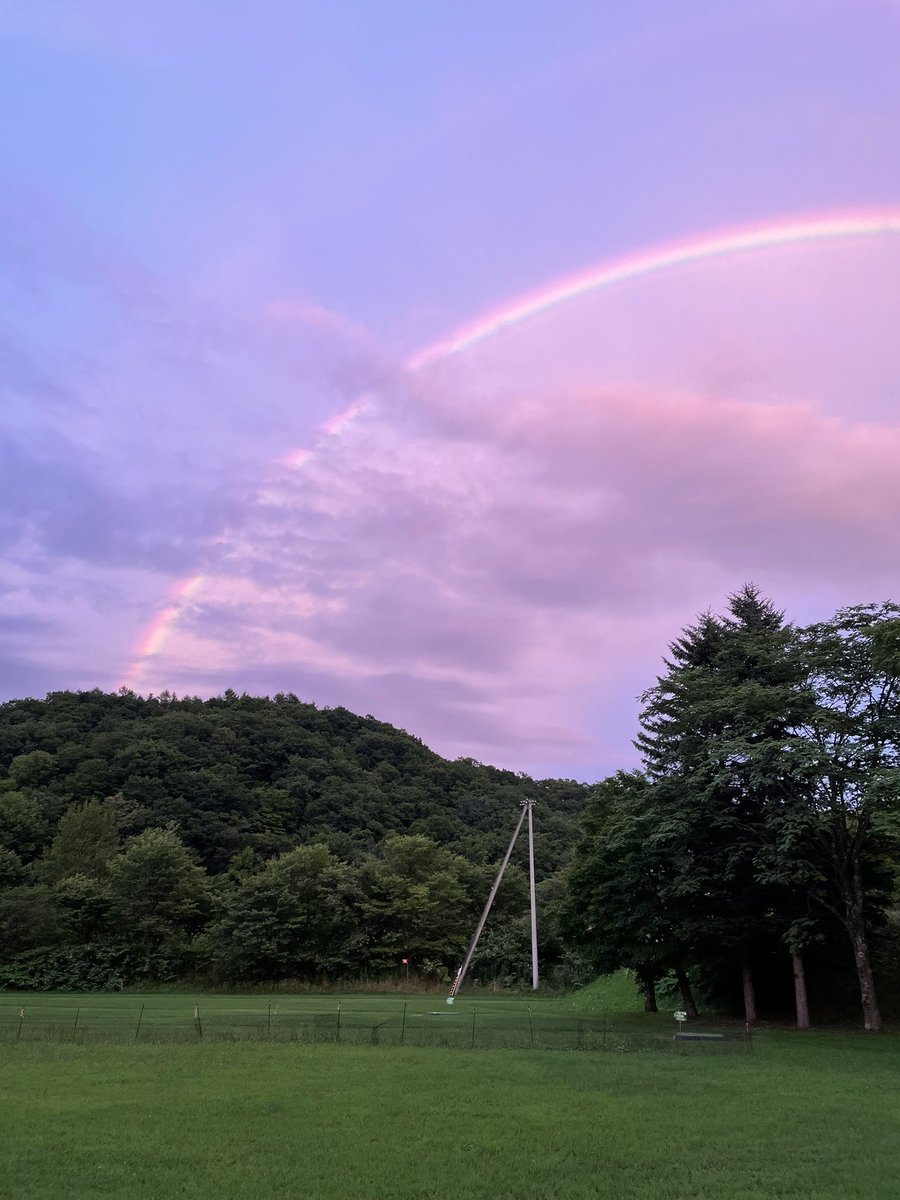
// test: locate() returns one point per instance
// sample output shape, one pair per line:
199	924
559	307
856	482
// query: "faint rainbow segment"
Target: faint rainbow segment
153	637
738	240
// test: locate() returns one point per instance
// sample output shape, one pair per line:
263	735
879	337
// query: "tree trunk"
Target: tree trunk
856	928
800	992
687	996
647	984
749	994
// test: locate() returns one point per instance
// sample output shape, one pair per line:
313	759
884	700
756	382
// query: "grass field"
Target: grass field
487	1022
803	1116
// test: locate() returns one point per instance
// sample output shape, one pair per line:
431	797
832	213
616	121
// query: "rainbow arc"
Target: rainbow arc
828	227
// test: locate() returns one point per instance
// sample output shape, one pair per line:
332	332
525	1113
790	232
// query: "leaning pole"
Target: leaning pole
461	973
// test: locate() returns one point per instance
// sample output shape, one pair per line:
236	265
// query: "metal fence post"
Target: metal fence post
198	1022
403	1024
21	1019
75	1023
140	1018
473	1029
269	1022
530	1025
337	1029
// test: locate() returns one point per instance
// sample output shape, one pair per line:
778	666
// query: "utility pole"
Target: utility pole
461	973
529	804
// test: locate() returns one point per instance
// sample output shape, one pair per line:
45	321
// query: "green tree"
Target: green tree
161	899
623	909
32	770
12	869
23	827
854	735
293	919
721	750
86	838
416	903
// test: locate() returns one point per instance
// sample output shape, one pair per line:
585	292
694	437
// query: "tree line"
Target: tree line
762	830
752	861
243	839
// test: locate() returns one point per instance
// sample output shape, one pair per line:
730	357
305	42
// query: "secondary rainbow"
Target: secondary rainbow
745	239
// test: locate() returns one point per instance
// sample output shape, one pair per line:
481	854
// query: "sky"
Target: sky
440	361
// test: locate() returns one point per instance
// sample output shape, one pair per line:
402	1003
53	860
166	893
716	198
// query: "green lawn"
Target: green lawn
815	1116
488	1021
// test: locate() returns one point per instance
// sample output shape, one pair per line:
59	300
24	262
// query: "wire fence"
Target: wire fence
403	1025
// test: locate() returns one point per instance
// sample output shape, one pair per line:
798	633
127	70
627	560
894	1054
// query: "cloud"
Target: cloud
138	419
495	552
502	579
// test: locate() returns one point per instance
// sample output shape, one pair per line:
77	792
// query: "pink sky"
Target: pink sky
235	248
516	532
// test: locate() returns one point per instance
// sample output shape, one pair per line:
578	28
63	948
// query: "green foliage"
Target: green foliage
767	812
160	896
23	828
85	967
240	772
86	838
251	837
12	869
416	904
292	919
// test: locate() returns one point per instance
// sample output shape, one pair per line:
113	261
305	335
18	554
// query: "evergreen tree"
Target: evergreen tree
719	749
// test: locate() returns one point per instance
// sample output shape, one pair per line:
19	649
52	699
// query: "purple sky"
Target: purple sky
224	225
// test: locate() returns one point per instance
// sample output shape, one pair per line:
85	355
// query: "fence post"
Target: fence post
604	1029
198	1022
269	1022
337	1028
403	1024
473	1029
21	1019
530	1025
140	1018
75	1023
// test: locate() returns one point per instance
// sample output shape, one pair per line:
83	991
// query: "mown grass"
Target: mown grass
486	1021
803	1116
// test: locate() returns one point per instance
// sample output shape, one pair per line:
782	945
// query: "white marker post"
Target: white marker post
680	1017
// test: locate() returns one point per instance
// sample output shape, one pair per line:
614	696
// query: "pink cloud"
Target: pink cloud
497	562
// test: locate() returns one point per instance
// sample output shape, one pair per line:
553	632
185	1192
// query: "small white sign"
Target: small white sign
680	1016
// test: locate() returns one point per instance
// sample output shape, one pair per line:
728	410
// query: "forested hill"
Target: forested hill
238	772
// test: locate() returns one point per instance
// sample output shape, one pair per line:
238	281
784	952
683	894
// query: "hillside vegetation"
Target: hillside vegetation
251	838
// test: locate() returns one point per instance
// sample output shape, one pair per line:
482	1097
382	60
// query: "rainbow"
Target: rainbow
153	638
740	240
799	231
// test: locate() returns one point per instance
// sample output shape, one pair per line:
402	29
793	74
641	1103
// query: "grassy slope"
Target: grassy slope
802	1117
608	993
